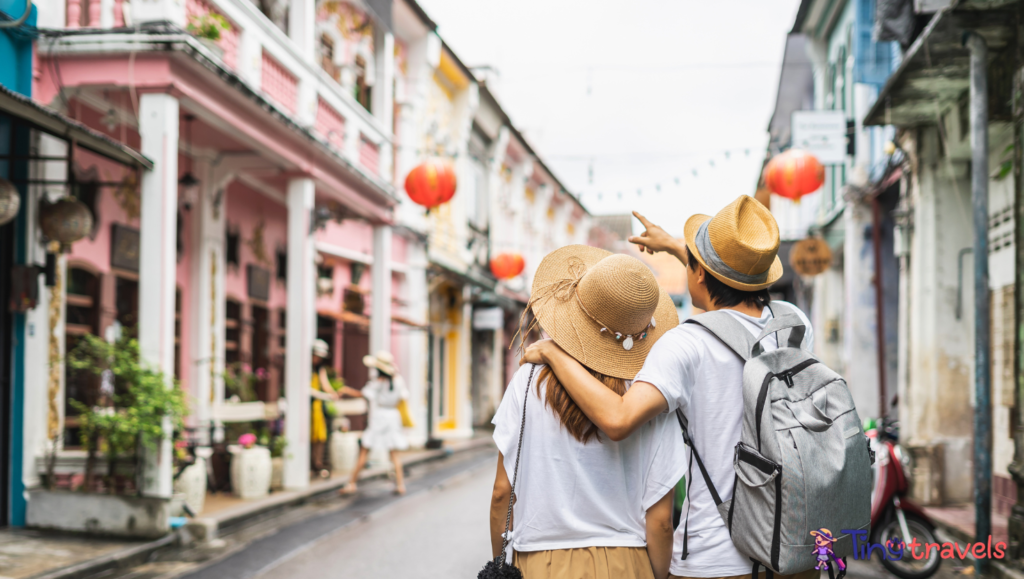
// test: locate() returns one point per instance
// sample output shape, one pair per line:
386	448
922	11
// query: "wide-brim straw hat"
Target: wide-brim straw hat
383	361
739	245
590	301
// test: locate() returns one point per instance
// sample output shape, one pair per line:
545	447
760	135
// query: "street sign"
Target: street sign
810	256
488	318
822	133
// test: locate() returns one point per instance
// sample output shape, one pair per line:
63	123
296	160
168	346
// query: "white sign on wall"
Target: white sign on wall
822	133
488	318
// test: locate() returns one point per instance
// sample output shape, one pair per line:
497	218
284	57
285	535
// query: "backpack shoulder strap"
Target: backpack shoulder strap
727	329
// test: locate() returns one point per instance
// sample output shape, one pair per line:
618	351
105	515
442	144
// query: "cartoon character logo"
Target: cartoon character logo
823	541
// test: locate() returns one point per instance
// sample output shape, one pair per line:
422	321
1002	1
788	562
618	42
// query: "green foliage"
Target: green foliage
207	26
142	397
240	380
277	446
1006	166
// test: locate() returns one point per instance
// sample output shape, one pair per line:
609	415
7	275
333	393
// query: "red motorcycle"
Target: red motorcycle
894	517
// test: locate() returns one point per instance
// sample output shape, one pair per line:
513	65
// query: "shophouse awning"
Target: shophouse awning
60	126
934	74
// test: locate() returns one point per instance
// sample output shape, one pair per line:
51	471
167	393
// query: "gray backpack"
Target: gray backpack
803	462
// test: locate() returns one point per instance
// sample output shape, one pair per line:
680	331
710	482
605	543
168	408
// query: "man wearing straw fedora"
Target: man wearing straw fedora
731	260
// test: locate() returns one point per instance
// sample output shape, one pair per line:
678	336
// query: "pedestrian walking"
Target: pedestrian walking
731	260
585	505
385	392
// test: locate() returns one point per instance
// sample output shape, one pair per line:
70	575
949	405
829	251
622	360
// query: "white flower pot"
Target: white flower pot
192	484
276	473
344	451
250	471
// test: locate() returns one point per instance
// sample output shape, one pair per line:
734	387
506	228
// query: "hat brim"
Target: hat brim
580	336
371	361
690	234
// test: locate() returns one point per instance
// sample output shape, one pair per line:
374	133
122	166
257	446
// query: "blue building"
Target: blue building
833	62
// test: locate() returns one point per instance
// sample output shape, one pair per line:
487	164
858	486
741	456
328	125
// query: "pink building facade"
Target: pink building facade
268	219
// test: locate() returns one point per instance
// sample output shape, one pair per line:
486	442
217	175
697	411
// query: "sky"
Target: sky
622	99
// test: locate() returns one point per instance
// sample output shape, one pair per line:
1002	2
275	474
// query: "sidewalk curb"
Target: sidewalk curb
235	517
997	568
140	553
123	558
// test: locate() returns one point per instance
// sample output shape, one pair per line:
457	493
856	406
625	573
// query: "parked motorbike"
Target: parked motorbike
893	515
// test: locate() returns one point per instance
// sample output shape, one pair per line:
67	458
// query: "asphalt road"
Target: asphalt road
440	530
440	534
440	524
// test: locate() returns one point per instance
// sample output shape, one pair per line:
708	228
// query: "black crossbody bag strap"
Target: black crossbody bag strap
515	471
689	480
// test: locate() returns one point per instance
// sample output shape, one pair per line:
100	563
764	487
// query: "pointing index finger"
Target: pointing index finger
642	219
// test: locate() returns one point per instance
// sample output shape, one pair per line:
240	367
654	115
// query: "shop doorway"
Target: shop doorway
261	352
355	344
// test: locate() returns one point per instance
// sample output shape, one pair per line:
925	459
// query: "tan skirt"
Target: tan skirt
588	563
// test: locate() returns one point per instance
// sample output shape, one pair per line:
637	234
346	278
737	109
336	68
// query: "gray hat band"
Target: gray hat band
715	263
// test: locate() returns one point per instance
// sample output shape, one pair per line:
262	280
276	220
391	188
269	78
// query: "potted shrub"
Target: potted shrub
207	28
250	468
277	446
126	423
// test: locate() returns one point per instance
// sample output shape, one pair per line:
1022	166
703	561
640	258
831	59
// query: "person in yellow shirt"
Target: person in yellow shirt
322	394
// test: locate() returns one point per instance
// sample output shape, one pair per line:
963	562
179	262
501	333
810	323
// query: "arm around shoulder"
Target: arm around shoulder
616	416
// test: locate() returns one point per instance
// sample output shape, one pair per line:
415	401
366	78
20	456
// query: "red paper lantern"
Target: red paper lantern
431	183
794	174
507	265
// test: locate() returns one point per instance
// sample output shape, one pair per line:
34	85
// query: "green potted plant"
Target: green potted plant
126	423
208	29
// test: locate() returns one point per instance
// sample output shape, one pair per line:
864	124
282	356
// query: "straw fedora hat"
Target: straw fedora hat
739	245
604	309
383	361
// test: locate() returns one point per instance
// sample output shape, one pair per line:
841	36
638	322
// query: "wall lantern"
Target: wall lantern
65	221
10	201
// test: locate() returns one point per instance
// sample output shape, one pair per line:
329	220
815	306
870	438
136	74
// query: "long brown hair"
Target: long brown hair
570	415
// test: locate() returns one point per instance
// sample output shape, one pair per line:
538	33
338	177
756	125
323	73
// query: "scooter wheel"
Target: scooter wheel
908	567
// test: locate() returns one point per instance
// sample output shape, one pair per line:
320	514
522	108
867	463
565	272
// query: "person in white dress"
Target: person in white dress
384	430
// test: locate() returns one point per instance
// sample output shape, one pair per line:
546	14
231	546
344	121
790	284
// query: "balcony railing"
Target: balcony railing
270	63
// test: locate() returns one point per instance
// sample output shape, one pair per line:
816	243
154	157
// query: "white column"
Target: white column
207	290
158	129
380	313
301	325
302	25
417	308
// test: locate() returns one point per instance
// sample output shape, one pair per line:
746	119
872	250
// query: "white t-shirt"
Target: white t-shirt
572	495
698	373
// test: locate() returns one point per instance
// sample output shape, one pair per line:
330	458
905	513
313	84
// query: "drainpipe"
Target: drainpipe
979	202
1016	523
876	238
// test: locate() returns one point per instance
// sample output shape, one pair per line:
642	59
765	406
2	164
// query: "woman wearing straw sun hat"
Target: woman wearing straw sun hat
385	392
731	259
587	506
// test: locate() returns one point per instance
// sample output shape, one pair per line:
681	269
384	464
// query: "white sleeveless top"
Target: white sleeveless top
573	495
